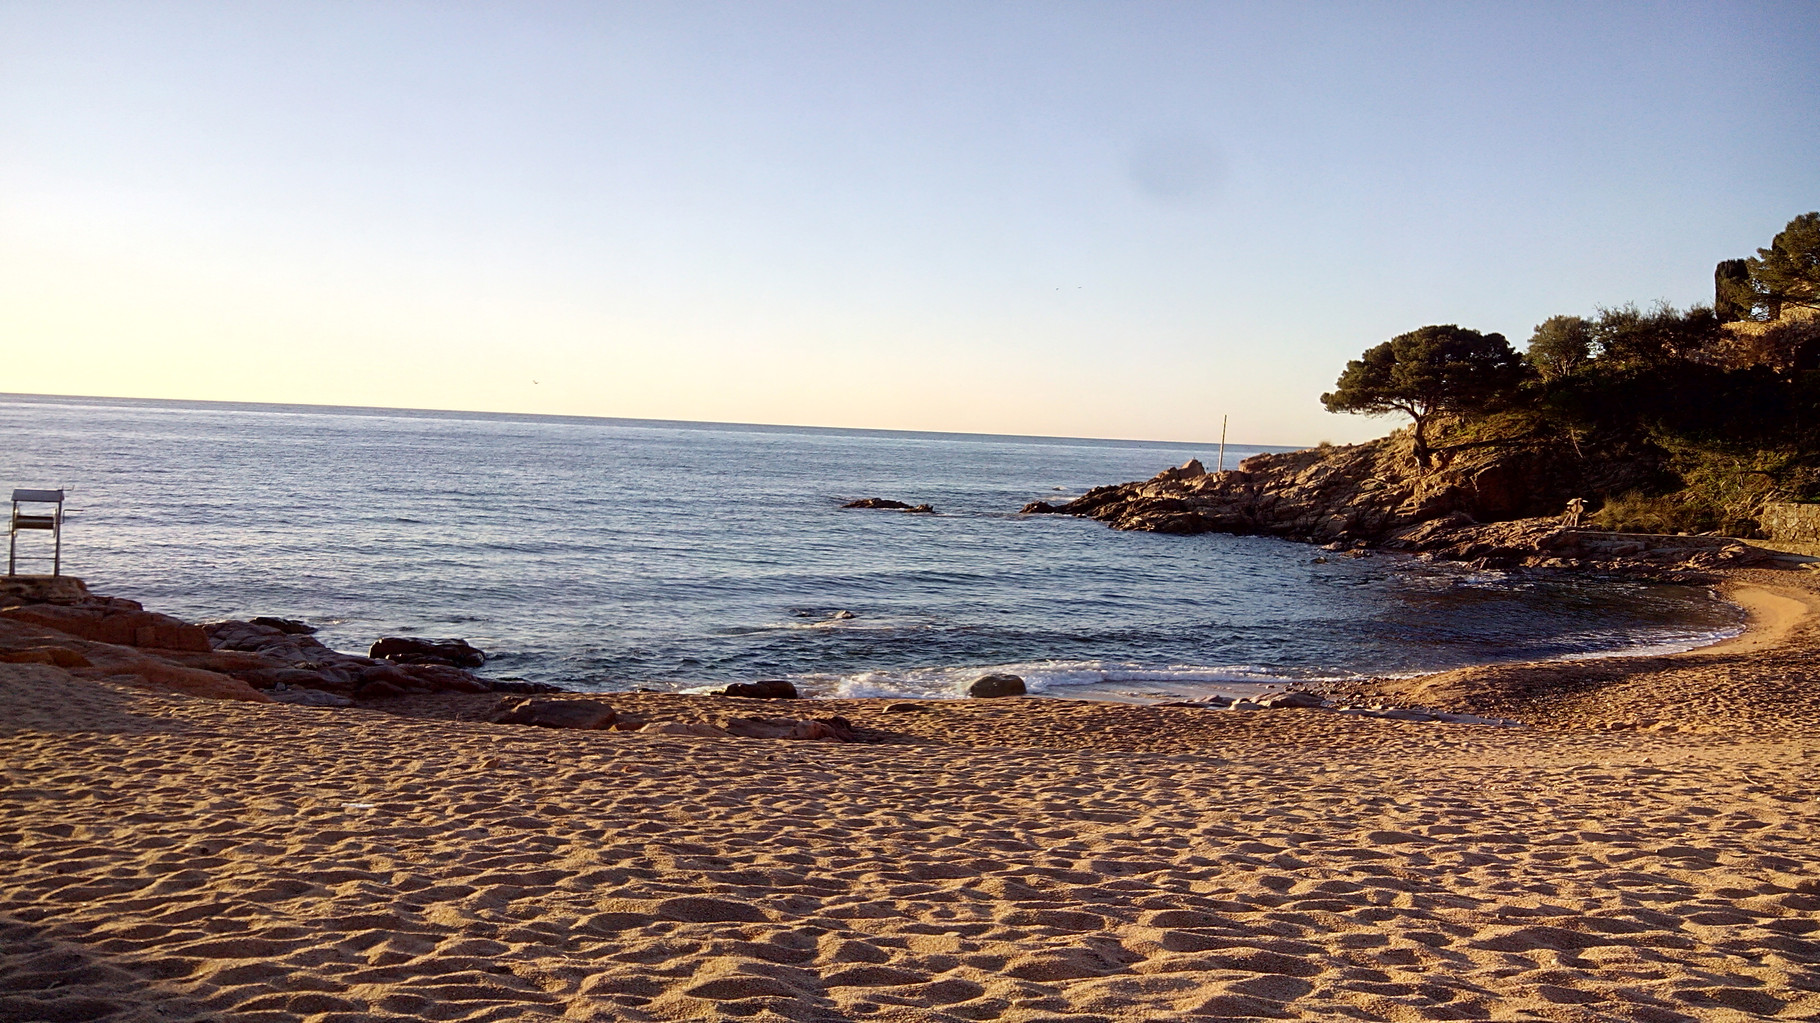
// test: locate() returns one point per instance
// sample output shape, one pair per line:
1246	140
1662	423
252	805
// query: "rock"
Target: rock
17	590
442	678
1038	508
105	623
378	690
1276	701
541	713
288	626
683	728
841	616
921	509
782	728
1187	470
991	686
55	656
266	639
386	674
403	650
273	678
770	689
877	503
310	698
177	678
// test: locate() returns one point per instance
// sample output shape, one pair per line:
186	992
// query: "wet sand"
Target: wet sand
1643	850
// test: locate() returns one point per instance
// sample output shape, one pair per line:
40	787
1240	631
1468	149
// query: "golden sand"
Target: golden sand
1644	850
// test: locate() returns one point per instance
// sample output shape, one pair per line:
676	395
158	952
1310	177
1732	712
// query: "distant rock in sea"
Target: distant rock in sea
886	504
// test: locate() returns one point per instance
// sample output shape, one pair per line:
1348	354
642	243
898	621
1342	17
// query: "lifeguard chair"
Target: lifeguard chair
52	522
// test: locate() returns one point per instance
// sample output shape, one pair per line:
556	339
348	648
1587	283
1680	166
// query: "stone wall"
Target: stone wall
1797	523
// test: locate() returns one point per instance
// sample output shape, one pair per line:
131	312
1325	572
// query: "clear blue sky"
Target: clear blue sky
1119	219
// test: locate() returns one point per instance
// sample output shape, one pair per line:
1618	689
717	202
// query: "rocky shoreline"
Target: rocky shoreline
1355	499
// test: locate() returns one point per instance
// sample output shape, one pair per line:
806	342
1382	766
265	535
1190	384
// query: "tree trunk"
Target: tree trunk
1423	458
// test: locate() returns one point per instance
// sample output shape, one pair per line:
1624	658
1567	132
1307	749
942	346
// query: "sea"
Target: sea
618	554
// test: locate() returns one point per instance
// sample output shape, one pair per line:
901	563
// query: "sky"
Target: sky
1119	220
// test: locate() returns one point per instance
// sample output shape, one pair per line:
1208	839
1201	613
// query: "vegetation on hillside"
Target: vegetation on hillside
1716	408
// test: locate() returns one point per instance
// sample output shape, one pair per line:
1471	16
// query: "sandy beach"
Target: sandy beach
1643	849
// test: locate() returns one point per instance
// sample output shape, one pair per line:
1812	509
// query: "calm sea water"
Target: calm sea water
615	554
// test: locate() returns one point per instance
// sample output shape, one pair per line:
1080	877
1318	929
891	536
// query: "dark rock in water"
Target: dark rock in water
1038	508
921	509
288	626
877	502
402	650
770	689
988	686
581	714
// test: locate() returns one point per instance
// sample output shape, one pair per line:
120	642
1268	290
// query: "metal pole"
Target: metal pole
12	542
1222	467
57	542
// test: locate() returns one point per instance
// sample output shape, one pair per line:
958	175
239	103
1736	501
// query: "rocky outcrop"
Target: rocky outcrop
885	504
1545	543
112	620
455	653
56	621
1359	492
988	687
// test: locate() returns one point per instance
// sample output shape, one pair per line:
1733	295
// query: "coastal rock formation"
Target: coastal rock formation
1545	543
993	686
456	653
1496	507
769	689
113	620
55	621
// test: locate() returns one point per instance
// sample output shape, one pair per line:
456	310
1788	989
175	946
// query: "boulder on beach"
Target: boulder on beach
827	730
542	713
456	653
769	689
990	686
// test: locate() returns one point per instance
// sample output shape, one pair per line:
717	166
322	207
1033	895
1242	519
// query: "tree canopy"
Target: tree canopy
1560	345
1788	272
1439	368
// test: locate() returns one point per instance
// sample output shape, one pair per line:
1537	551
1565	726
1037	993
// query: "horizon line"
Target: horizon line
307	407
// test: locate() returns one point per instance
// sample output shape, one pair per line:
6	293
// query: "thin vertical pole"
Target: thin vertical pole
1222	467
57	541
12	542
